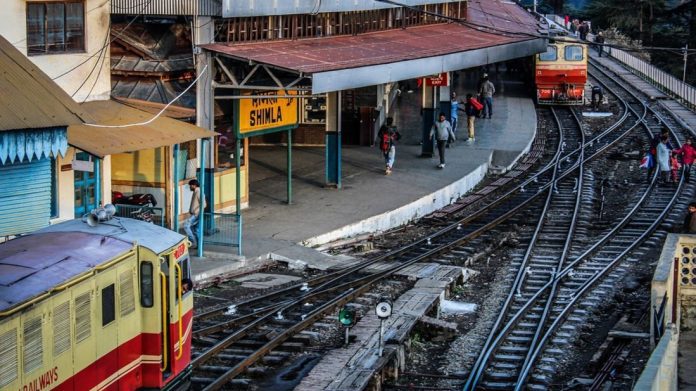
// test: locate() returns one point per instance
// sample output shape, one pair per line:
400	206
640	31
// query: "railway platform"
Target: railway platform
369	201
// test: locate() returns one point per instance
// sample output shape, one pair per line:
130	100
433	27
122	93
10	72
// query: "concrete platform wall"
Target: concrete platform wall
409	212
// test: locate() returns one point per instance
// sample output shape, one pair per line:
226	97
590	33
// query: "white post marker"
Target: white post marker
383	311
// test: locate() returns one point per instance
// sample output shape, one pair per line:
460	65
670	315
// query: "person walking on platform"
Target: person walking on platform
599	40
386	137
688	155
472	109
487	91
454	114
442	130
194	212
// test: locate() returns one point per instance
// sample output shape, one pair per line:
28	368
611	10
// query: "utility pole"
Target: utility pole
535	4
686	54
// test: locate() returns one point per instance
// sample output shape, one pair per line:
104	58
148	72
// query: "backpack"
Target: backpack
477	105
385	143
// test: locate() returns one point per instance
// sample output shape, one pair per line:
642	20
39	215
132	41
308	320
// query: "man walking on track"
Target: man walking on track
442	130
386	138
487	91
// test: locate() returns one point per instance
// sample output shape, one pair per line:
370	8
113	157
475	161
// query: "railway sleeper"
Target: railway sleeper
510	358
490	385
499	375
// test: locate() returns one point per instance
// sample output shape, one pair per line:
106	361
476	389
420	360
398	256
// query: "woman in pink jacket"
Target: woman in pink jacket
688	154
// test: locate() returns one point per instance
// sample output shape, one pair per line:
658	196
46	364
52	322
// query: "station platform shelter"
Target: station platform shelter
324	98
369	200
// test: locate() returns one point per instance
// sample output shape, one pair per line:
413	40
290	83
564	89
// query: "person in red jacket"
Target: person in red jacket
688	155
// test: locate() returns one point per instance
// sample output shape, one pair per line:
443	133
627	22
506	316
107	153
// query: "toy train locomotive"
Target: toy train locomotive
561	73
94	307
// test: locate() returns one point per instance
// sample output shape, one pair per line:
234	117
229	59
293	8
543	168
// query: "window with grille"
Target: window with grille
33	344
83	321
108	305
127	295
61	328
55	27
8	357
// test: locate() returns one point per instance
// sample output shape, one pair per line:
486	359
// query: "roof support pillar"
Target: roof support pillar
429	105
333	139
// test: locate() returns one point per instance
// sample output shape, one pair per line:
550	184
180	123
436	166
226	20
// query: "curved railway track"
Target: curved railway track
545	290
533	324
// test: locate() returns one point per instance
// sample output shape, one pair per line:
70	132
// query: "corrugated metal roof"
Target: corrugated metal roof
36	263
29	98
108	141
167	7
344	52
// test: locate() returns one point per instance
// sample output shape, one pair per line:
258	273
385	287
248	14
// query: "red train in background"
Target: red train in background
561	73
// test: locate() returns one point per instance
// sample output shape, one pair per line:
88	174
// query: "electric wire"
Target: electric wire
107	41
143	123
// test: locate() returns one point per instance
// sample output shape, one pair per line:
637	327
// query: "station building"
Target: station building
61	164
307	73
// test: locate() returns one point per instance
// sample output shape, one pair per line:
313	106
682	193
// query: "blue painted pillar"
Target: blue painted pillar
333	139
97	182
175	208
201	181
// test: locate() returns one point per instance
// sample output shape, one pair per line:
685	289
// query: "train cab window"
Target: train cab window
573	53
108	302
551	54
184	264
146	285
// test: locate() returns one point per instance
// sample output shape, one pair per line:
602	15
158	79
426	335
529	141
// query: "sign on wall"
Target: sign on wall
267	113
437	80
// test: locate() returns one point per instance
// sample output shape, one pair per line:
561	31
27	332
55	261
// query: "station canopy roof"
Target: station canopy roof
494	31
101	141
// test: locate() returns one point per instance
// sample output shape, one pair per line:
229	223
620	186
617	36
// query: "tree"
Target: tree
634	17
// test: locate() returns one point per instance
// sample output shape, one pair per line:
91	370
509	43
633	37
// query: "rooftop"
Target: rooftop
30	99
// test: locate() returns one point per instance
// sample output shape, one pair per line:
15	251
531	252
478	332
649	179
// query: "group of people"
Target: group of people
578	28
481	106
582	30
443	131
663	157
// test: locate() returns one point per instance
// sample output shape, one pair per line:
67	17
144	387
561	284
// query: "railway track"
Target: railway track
222	335
537	324
299	311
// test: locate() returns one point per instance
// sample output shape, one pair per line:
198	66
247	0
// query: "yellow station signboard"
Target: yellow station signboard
267	112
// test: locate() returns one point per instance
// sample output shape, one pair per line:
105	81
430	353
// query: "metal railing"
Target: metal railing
223	229
144	213
669	84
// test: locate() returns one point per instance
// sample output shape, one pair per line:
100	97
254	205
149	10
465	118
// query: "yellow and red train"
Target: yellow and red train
95	308
561	73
